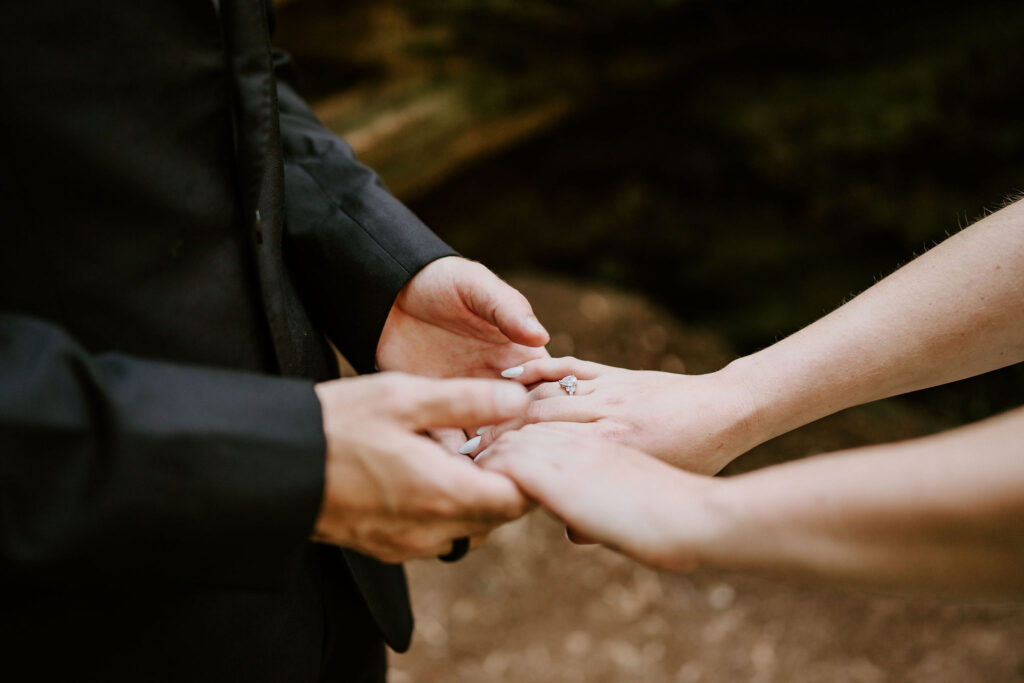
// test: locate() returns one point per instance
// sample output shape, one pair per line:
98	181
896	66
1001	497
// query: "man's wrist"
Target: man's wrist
325	528
705	525
729	534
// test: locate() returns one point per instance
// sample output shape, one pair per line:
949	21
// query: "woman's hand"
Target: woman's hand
697	422
610	493
938	512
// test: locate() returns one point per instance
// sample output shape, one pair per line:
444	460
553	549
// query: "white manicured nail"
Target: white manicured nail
483	429
479	455
512	373
470	445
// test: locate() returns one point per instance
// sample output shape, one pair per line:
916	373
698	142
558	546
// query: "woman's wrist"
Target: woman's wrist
745	418
773	396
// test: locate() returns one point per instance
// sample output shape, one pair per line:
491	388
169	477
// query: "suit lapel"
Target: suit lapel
299	349
261	177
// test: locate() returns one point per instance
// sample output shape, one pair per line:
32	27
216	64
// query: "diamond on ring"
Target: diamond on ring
569	384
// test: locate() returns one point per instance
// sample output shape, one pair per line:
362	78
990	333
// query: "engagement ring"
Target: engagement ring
568	383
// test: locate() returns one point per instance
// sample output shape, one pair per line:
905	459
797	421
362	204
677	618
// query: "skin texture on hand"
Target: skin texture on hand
953	312
940	512
391	492
696	422
608	492
456	318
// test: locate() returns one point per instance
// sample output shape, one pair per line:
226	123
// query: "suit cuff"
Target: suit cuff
352	246
227	471
120	471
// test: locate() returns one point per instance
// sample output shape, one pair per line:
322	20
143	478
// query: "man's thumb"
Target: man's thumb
503	306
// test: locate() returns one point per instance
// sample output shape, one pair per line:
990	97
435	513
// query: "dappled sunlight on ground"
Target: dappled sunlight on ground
531	607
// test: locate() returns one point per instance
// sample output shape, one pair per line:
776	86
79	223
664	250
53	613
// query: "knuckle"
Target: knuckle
438	507
495	462
432	402
412	543
479	268
611	431
534	412
389	388
391	557
517	509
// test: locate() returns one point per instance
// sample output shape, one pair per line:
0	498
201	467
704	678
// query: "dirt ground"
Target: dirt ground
530	606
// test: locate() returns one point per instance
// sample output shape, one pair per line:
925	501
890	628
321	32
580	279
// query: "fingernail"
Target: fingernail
512	373
470	445
478	456
484	429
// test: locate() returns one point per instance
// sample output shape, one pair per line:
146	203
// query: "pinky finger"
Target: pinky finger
492	434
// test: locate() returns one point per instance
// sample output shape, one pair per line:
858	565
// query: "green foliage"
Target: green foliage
781	162
525	34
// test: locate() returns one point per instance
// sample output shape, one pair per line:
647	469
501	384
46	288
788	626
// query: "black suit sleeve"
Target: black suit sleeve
351	245
116	471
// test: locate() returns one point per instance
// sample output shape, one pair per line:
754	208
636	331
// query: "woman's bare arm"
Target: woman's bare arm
954	312
940	512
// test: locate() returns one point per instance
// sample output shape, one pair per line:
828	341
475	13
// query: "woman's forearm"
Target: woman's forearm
942	511
954	312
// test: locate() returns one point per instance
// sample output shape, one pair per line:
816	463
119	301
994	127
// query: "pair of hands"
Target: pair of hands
698	423
391	489
395	494
587	457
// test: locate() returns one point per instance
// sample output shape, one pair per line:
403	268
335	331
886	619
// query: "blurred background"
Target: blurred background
674	183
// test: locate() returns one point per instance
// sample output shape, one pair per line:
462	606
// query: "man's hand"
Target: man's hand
394	494
456	318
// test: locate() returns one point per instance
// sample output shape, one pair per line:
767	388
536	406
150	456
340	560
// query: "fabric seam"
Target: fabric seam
337	205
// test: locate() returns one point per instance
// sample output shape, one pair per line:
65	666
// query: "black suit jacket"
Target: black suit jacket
179	234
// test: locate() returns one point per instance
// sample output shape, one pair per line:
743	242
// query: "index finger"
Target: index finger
553	369
432	403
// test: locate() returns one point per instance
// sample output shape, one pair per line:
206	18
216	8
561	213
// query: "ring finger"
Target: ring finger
546	390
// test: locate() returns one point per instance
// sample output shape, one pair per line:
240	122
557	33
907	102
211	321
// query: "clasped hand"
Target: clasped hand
586	457
695	422
395	494
390	491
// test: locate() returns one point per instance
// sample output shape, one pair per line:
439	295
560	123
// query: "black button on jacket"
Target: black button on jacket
179	234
